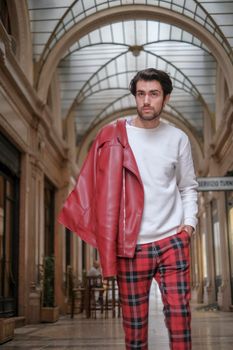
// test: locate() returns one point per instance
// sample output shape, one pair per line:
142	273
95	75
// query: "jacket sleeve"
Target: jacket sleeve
108	189
77	211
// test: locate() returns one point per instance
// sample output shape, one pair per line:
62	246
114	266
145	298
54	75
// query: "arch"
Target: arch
131	12
88	82
99	116
21	32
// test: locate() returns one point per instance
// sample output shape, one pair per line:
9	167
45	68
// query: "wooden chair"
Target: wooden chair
77	300
75	292
94	296
112	300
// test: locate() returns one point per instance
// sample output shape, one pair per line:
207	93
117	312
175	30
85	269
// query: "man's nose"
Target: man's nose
147	99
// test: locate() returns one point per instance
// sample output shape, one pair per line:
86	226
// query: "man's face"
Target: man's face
149	99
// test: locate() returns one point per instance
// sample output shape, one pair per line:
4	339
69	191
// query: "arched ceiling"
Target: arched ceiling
95	71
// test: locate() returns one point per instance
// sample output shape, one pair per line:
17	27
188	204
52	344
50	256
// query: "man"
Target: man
94	270
96	280
136	201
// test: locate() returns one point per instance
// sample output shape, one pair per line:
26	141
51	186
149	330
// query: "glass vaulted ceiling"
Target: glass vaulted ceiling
95	72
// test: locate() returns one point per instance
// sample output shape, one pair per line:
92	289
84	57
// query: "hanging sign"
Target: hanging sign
215	183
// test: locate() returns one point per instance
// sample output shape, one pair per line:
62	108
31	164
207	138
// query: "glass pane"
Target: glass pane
1	233
204	255
6	231
230	231
33	4
9	278
217	248
204	247
49	193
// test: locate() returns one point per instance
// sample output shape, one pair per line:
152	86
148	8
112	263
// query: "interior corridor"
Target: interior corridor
65	70
212	330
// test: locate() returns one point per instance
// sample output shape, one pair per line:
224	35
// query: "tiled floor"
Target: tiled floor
212	330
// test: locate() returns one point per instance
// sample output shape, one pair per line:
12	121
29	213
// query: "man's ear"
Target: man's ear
167	98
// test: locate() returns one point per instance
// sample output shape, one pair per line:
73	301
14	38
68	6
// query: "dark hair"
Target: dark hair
150	74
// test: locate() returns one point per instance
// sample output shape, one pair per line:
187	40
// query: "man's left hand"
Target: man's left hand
186	228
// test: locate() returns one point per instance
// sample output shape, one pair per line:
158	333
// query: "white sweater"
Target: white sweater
164	160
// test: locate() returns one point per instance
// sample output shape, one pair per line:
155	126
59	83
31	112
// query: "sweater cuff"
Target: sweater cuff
191	222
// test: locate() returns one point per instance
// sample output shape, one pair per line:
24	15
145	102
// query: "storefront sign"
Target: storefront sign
215	183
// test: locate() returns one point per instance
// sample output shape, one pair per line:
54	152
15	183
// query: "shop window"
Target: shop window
9	227
84	249
216	243
8	243
230	234
68	246
204	248
194	261
49	217
4	16
96	255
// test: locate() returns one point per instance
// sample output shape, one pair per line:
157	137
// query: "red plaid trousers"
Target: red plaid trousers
167	260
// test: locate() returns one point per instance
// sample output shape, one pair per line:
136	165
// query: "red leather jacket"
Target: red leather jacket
105	207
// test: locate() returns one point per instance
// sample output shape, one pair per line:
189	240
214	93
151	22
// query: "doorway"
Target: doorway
9	242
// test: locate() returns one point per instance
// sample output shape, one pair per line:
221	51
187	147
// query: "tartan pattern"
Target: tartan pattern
166	260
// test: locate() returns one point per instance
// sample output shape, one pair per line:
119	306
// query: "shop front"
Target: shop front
9	227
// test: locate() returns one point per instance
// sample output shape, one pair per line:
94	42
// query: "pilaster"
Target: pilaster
209	289
224	292
35	238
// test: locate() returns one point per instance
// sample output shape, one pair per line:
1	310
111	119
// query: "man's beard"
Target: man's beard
151	117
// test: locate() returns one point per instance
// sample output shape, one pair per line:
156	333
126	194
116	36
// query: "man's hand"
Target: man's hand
186	228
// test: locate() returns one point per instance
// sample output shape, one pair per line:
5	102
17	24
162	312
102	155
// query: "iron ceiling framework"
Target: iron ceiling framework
96	70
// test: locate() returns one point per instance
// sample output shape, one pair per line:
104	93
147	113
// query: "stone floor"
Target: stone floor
212	330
